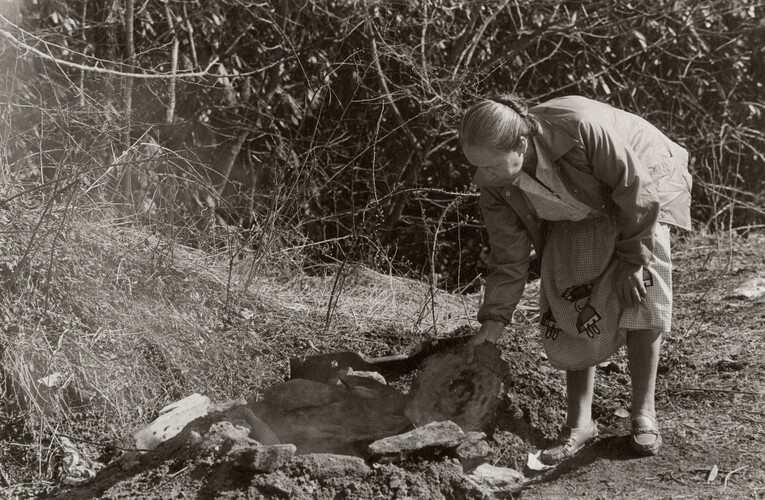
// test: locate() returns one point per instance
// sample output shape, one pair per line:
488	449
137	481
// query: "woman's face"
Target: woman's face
495	167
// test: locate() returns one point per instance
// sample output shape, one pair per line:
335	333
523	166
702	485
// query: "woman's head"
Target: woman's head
498	122
495	135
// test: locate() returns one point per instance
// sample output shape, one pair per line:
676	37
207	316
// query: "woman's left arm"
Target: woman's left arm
633	191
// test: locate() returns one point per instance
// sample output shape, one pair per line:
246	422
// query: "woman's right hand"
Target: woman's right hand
490	331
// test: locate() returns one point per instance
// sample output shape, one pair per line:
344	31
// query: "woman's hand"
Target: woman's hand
490	331
630	288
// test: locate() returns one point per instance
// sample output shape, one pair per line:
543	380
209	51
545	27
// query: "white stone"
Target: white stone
750	289
496	482
172	419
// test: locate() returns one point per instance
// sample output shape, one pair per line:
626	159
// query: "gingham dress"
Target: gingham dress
582	321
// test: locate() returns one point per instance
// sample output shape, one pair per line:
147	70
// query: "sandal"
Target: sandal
646	438
569	442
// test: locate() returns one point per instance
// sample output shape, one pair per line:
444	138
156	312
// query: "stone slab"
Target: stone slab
172	419
495	482
432	436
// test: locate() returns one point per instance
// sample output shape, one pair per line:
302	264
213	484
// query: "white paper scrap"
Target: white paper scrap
533	462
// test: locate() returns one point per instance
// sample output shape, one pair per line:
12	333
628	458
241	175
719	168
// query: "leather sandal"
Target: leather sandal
646	438
568	443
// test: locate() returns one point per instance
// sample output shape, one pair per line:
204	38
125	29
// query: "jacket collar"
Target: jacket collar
554	139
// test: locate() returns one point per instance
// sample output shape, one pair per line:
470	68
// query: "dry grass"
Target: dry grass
131	320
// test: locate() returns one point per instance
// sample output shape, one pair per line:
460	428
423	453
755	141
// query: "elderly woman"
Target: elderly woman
593	190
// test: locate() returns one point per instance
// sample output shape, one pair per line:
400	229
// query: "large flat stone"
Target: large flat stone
329	465
429	437
495	482
300	393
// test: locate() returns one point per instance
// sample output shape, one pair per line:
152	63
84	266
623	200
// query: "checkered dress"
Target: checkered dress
582	321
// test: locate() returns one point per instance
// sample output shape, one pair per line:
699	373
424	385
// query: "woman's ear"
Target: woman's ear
524	145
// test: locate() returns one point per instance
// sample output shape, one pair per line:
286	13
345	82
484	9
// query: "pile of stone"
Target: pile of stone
344	427
233	437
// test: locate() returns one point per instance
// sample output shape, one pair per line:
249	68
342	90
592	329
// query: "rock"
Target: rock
474	451
431	437
265	458
750	289
447	388
373	375
301	393
225	438
172	419
495	482
328	465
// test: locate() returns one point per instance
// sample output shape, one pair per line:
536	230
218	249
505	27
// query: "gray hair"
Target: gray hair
499	121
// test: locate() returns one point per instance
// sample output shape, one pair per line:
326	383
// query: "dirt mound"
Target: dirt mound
307	439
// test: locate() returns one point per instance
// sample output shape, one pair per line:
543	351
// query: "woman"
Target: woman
593	190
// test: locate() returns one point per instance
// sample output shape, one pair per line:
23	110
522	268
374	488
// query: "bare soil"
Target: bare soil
710	397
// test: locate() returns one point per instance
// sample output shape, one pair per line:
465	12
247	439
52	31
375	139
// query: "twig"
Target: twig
729	391
177	472
94	69
729	474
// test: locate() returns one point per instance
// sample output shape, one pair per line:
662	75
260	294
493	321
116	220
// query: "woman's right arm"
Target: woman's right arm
509	258
508	265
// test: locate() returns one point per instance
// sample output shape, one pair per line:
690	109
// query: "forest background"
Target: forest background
329	126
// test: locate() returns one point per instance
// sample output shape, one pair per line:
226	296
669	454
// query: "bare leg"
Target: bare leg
580	427
643	355
579	389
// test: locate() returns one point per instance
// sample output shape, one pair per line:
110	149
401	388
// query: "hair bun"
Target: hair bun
514	102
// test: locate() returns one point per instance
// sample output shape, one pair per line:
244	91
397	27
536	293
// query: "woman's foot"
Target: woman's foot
645	439
569	442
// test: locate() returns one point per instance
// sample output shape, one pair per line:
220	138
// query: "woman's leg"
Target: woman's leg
579	390
643	355
580	428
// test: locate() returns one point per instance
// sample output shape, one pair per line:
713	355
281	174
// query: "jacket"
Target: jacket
613	161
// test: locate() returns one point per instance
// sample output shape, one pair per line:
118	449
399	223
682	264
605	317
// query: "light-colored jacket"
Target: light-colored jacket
611	160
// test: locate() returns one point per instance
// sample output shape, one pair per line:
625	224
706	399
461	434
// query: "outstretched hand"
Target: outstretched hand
490	331
630	288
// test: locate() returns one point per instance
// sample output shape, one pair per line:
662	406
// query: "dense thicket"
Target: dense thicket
329	126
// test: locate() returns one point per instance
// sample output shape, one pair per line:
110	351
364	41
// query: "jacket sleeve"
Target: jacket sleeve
632	190
509	259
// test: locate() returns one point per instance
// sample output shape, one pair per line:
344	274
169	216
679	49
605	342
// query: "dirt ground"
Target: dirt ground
710	398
